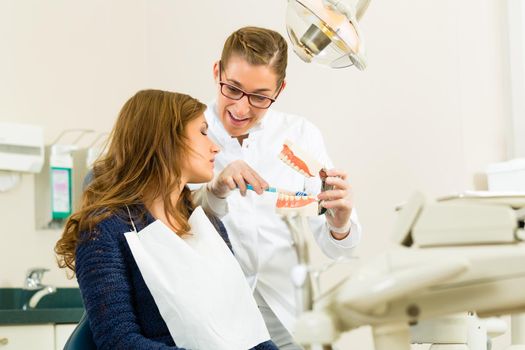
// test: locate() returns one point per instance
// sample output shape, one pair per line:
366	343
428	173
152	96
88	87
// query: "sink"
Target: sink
64	306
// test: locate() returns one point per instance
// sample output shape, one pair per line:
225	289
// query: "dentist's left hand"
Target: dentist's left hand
338	199
236	175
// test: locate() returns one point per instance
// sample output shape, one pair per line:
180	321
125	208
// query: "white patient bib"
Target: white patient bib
198	286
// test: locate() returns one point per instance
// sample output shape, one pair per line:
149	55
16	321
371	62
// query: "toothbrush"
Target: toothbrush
276	190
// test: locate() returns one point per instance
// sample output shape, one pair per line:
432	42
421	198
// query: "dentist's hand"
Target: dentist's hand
236	175
338	199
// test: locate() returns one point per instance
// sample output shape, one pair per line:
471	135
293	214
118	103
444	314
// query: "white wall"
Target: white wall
516	19
429	113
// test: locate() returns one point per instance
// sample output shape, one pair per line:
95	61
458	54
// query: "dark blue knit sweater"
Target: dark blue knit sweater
121	310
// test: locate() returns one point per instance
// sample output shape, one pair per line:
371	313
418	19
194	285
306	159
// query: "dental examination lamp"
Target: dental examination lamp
327	31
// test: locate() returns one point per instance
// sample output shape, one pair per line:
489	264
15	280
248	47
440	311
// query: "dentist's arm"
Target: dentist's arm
212	196
336	235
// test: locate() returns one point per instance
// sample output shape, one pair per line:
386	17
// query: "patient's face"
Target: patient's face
198	167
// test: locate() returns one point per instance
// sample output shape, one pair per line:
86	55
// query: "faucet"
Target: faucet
33	282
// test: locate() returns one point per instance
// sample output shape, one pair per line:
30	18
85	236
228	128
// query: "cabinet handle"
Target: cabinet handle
4	341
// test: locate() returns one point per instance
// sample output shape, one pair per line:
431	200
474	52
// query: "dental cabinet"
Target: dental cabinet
46	326
42	337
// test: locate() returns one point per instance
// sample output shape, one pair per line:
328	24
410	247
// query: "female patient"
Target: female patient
158	145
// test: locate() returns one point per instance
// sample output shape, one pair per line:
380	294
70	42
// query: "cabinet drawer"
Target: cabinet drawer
27	337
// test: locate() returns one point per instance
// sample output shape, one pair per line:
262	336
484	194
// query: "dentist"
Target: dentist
249	77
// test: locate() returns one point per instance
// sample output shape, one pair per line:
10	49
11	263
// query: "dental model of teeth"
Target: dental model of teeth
306	165
296	205
299	160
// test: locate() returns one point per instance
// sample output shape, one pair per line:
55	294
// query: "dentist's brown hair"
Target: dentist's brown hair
143	161
258	46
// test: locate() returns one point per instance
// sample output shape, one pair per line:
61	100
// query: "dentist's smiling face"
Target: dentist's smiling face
239	116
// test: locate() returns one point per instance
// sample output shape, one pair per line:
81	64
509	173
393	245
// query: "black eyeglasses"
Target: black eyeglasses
235	93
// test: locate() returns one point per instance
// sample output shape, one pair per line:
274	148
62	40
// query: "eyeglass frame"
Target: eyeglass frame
247	94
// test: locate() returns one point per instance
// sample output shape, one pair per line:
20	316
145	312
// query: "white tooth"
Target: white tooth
296	167
236	117
287	197
303	198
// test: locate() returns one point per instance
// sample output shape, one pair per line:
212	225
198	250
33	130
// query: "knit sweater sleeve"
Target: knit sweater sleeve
267	345
104	279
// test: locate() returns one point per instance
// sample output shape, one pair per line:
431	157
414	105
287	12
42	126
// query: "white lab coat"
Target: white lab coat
260	238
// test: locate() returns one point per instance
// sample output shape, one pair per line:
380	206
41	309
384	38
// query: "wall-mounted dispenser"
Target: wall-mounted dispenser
57	189
95	149
21	150
61	169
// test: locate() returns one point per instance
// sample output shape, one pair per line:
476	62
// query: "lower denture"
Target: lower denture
297	202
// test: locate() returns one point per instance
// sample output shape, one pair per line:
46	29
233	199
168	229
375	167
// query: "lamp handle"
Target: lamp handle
361	7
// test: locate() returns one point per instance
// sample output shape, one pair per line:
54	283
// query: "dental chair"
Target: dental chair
81	338
461	254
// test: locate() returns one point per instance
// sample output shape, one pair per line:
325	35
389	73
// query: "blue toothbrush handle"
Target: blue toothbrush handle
275	190
269	189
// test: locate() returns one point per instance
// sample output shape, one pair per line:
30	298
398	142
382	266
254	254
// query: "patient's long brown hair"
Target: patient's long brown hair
143	162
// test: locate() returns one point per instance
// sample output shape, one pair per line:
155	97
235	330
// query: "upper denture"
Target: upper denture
297	163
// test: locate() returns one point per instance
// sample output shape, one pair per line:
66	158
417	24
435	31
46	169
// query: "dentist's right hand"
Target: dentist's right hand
237	174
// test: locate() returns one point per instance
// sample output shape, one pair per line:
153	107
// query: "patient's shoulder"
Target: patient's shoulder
219	226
